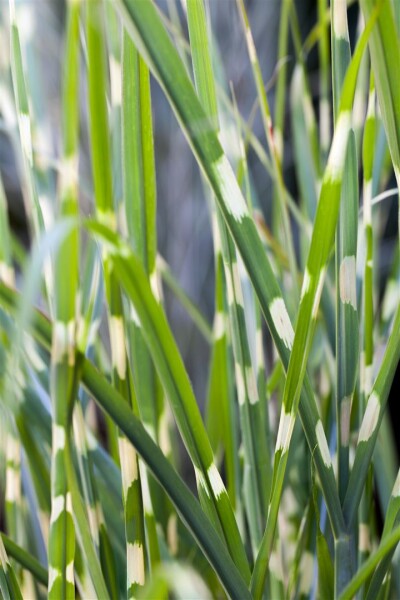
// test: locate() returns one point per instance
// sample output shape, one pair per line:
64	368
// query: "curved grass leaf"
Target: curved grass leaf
113	403
143	23
121	372
62	377
319	253
386	545
172	373
8	582
220	396
346	259
25	559
255	480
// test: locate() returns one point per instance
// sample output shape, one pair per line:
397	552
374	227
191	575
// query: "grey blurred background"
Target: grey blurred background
184	233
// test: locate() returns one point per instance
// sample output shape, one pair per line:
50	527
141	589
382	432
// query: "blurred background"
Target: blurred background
184	231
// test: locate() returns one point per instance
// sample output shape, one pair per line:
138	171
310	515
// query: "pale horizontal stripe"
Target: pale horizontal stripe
58	435
318	293
216	482
275	565
340	20
133	315
69	572
282	322
128	459
201	482
286	425
250	46
118	350
237	286
371	417
135	564
323	444
345	411
68	173
7	274
54	574
116	81
63	341
338	149
347	281
13	485
306	283
306	572
251	385
231	193
172	534
364	543
57	507
163	432
219	325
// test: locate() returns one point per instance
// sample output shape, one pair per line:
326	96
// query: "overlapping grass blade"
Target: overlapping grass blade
367	356
319	253
122	377
192	310
112	402
143	23
384	47
255	484
391	520
60	475
386	545
8	582
139	198
275	146
140	203
25	559
346	248
220	394
372	418
32	201
177	386
62	379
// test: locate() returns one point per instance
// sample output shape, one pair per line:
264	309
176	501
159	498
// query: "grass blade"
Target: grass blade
25	559
139	191
346	249
112	402
255	469
177	386
143	23
320	248
370	425
219	391
102	177
384	49
386	545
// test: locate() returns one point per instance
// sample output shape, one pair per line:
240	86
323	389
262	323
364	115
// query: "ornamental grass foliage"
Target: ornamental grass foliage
296	489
